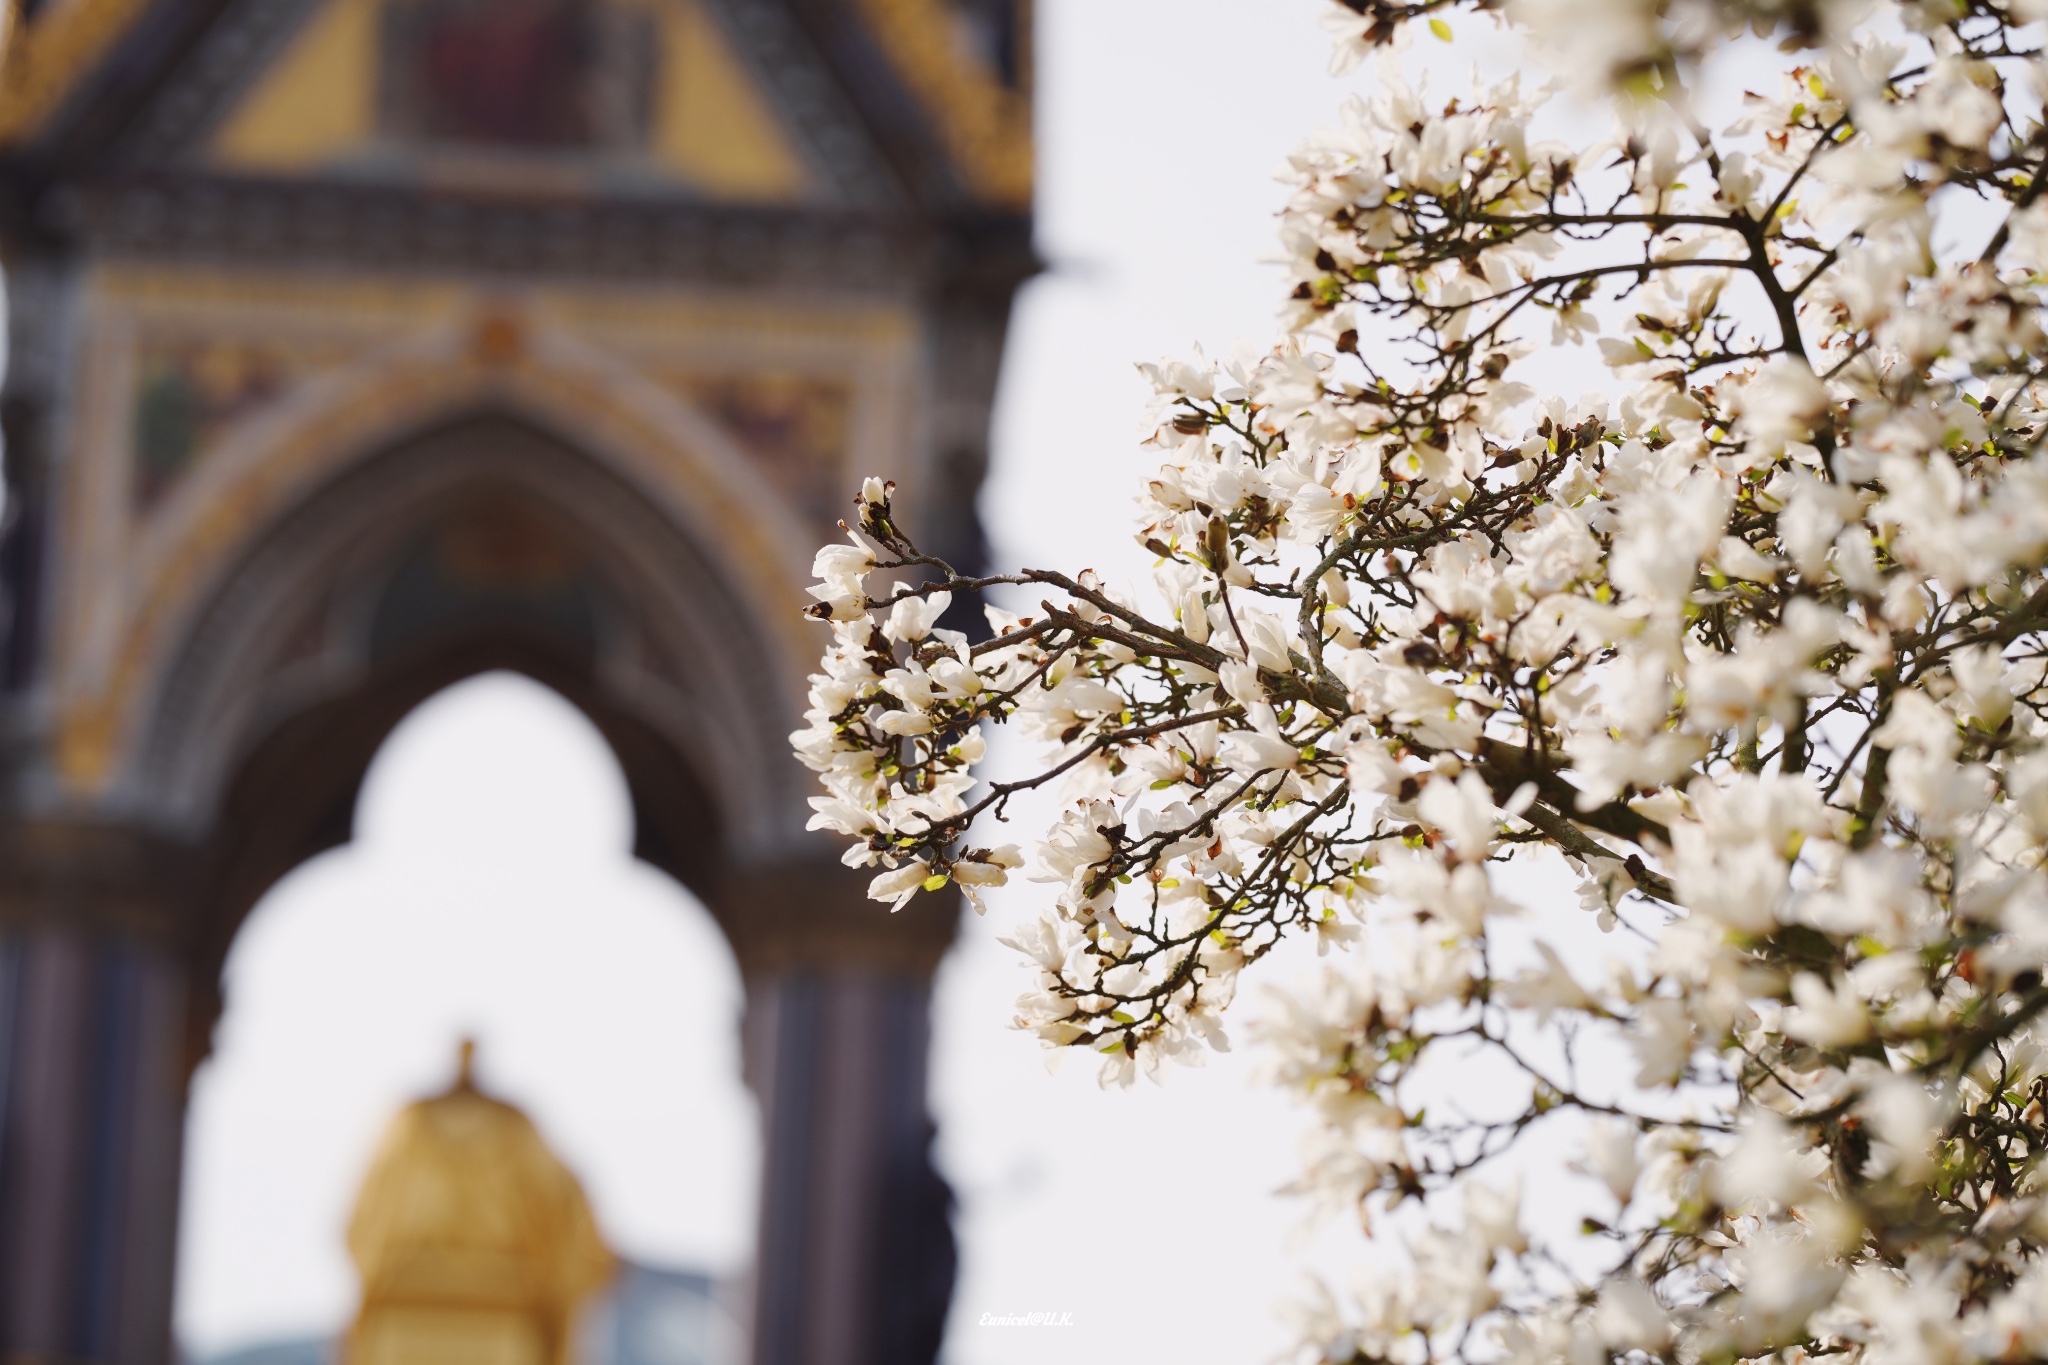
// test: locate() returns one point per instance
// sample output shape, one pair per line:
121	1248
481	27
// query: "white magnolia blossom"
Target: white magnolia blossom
1755	643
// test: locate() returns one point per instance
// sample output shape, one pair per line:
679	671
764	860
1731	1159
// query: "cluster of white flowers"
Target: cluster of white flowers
1756	643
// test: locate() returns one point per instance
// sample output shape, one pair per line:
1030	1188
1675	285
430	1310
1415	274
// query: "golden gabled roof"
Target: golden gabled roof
43	60
984	123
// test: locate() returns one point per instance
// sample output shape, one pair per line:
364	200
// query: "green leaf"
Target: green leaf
935	881
1440	29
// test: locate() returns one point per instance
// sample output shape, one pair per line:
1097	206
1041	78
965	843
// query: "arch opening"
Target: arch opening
482	542
489	889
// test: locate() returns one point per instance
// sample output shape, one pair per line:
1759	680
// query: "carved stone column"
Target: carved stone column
92	1094
856	1256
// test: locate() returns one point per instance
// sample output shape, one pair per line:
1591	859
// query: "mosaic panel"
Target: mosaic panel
190	392
530	74
795	427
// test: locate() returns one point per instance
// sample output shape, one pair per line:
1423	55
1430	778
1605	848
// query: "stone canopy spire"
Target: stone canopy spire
473	1241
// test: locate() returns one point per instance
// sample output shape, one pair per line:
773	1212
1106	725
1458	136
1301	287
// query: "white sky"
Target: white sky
489	888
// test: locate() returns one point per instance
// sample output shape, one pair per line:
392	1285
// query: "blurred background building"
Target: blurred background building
359	346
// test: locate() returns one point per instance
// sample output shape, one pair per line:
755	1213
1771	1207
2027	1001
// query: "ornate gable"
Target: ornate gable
858	102
516	92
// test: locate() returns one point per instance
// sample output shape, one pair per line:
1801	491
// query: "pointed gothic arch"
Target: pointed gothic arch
480	541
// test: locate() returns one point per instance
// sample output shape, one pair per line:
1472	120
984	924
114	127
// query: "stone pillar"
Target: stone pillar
92	1042
42	310
93	1053
855	1259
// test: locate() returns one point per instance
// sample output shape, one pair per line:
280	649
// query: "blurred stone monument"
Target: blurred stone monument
358	346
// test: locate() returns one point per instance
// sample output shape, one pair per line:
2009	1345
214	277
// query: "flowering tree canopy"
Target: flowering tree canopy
1754	640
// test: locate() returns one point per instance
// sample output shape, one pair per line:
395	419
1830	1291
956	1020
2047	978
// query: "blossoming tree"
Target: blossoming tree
1755	644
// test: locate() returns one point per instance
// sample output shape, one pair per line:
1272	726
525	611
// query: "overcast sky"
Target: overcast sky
489	888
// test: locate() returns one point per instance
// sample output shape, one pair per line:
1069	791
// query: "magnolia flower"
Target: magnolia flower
1629	1318
1548	988
1826	1017
982	868
1781	403
843	566
1662	1041
1610	1148
1249	751
1767	1166
899	884
912	618
1464	811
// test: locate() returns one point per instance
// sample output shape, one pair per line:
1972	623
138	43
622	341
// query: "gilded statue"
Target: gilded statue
474	1243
